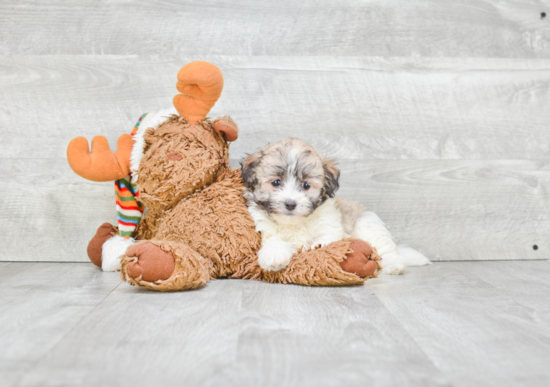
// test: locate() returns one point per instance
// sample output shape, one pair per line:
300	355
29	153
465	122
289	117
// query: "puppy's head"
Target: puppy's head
289	180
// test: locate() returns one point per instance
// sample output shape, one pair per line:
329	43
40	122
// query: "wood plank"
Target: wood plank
524	282
487	111
238	333
448	209
10	271
458	209
460	28
50	214
39	306
353	108
435	325
303	336
472	330
148	338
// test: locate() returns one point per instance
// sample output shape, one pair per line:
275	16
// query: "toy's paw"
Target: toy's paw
95	247
361	260
152	264
275	256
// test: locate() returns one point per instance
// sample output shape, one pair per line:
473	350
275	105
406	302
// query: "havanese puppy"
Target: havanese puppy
290	193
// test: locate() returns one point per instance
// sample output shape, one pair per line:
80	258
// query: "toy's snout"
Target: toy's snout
175	156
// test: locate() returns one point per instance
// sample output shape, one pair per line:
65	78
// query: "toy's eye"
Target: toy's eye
305	185
276	183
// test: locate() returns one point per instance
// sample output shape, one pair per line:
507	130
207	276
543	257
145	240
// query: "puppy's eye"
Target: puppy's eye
276	183
305	185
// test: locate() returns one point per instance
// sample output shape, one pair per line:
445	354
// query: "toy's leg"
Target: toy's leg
106	247
165	266
371	228
95	247
346	262
363	260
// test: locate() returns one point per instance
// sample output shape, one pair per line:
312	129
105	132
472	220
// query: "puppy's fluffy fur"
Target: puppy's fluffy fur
291	197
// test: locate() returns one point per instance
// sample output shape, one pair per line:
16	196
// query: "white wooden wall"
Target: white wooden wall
437	110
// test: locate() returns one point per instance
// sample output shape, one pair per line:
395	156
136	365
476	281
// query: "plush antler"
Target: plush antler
200	84
101	164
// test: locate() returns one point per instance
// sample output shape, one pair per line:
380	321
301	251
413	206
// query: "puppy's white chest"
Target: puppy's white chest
322	227
299	236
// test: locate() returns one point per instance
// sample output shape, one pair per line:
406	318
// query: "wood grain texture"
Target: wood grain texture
446	102
148	338
448	209
39	305
238	333
429	28
458	209
302	325
352	108
472	329
527	285
49	213
448	324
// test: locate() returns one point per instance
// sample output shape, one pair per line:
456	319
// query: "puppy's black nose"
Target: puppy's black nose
290	205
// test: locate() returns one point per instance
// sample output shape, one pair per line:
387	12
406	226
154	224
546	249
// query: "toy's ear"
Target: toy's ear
200	84
226	128
248	168
332	175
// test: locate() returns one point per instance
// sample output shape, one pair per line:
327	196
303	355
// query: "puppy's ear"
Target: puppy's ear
332	175
248	168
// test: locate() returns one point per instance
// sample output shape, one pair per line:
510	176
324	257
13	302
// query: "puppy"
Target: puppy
290	193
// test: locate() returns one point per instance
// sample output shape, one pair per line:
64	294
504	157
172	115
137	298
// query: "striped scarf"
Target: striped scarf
128	207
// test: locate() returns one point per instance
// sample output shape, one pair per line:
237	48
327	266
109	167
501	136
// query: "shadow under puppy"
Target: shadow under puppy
290	193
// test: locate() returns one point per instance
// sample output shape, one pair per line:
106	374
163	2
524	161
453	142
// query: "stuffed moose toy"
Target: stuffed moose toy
182	218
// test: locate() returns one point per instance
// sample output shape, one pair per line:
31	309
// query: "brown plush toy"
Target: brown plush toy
196	224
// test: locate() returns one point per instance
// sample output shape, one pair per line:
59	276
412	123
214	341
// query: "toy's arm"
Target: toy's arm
101	164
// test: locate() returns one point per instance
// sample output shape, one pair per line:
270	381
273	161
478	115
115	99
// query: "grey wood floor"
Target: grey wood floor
451	324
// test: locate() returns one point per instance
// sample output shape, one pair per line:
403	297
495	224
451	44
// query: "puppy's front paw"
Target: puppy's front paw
275	256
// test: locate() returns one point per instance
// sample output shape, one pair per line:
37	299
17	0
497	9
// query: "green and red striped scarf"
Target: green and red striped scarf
128	207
